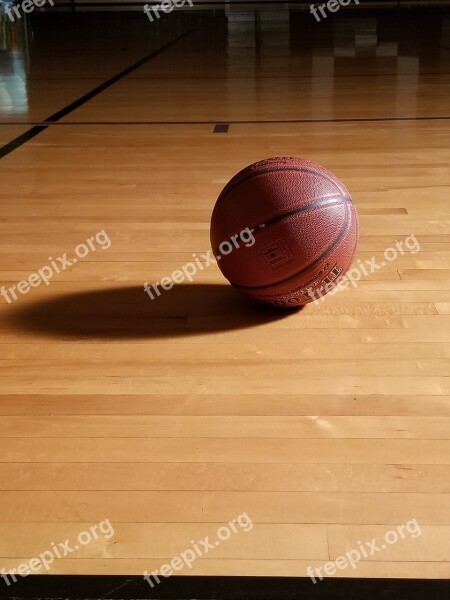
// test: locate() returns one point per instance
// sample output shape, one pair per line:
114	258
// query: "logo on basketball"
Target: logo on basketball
277	254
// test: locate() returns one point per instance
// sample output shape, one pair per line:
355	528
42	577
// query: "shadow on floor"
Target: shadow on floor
129	313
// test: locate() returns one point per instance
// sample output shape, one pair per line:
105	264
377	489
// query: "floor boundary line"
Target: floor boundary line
55	117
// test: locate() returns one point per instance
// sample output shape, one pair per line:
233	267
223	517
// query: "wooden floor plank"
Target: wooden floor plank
328	427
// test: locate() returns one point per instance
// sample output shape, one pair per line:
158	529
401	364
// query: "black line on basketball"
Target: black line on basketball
226	191
313	264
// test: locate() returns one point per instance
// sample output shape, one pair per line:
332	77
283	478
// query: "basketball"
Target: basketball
284	231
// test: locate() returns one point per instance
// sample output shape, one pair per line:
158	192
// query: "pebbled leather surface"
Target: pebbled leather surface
300	249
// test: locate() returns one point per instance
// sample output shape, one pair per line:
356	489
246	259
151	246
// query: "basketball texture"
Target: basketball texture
303	224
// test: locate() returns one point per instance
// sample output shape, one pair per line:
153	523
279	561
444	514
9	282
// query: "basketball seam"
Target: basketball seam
316	204
312	264
349	264
300	209
226	191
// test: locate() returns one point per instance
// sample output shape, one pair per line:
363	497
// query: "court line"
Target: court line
46	124
257	77
36	130
290	77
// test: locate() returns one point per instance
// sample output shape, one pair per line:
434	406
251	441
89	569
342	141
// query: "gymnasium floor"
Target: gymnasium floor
169	418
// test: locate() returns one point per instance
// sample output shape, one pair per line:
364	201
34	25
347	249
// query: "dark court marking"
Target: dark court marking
242	122
21	139
221	128
36	130
256	77
72	587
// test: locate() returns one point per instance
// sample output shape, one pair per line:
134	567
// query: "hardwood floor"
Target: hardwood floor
330	426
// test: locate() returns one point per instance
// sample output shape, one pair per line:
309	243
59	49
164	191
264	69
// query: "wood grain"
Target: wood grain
328	426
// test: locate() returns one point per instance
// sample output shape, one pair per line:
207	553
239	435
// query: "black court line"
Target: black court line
21	139
258	77
44	124
253	77
39	128
72	587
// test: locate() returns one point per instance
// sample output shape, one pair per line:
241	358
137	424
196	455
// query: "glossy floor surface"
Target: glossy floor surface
328	427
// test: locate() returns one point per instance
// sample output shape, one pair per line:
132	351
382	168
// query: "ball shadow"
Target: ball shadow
129	313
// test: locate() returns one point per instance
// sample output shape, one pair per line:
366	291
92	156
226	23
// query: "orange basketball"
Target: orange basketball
284	230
